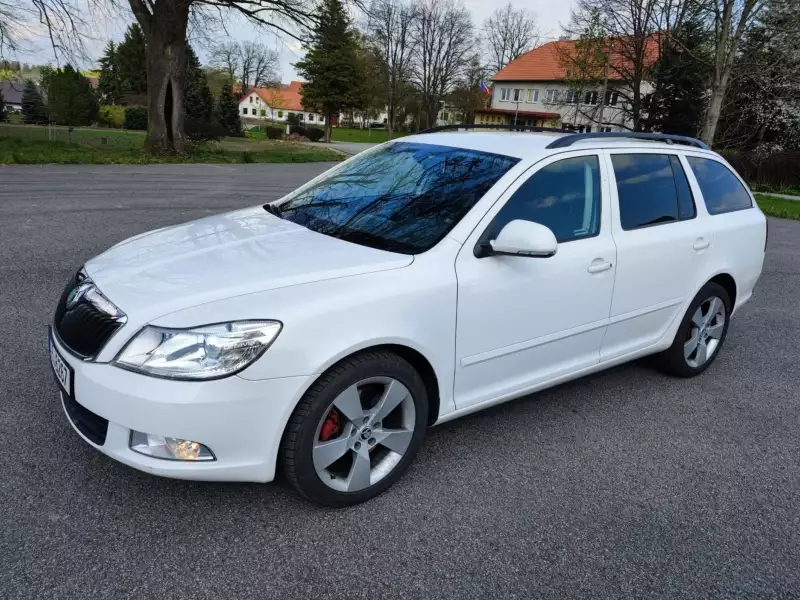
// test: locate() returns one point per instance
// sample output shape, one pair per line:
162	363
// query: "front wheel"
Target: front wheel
700	335
356	430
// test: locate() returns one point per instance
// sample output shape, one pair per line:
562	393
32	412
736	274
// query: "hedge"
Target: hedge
779	170
135	118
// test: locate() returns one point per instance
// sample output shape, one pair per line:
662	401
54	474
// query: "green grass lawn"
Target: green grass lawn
28	144
778	207
375	136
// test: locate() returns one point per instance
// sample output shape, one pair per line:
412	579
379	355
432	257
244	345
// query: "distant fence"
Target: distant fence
781	169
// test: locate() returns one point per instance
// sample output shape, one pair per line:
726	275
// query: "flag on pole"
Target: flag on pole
485	89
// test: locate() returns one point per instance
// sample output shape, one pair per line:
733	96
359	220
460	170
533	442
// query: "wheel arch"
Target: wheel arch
729	284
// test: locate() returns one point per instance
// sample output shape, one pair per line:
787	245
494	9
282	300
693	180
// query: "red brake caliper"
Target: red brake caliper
332	426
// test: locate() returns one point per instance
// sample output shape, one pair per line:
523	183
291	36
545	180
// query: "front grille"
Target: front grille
83	326
93	426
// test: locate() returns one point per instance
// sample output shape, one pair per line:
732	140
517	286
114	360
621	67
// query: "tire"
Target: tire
347	417
682	359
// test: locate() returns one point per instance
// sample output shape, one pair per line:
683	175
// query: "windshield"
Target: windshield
402	197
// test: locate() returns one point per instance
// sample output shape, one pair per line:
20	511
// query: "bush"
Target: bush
777	171
315	134
135	118
111	115
203	131
274	133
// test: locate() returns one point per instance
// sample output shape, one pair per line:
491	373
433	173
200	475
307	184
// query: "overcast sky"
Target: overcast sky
551	14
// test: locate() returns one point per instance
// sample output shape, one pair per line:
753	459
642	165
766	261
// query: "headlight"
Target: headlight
207	352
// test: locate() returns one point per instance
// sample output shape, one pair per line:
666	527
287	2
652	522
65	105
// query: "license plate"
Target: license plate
61	369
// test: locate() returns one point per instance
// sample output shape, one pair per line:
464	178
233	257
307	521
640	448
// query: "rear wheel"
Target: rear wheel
356	430
700	335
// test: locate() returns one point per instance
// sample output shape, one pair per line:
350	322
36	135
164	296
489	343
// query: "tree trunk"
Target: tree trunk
328	126
718	89
390	119
166	75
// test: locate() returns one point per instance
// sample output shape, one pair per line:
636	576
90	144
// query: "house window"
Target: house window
280	114
612	98
251	99
591	98
517	95
505	94
445	117
551	96
310	118
572	97
533	96
244	111
605	130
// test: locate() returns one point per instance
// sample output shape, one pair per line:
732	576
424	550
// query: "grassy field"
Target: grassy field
375	136
778	207
28	144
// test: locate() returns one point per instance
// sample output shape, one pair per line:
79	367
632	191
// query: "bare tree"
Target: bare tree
249	64
636	31
165	24
732	19
65	22
226	57
389	24
509	34
443	40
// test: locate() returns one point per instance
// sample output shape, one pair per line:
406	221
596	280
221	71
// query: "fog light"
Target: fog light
169	448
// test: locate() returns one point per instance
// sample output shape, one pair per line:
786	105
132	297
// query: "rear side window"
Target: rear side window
722	190
564	196
652	190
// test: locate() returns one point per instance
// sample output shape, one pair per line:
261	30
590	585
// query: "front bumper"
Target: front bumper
241	421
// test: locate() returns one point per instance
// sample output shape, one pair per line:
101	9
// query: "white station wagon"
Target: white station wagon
419	281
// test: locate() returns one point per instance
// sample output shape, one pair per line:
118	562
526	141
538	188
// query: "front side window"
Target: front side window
722	190
403	197
564	196
652	190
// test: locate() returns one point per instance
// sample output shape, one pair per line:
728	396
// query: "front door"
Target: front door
523	321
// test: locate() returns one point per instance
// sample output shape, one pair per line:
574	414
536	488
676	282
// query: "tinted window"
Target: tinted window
647	189
722	190
403	197
686	207
564	196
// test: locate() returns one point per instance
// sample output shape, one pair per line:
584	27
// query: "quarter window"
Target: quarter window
564	196
722	190
652	190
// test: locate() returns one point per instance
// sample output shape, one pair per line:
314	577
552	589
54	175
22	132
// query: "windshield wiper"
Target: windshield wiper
273	209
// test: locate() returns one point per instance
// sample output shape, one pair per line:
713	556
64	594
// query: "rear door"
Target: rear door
663	239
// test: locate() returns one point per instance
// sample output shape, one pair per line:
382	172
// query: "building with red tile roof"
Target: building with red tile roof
276	103
533	90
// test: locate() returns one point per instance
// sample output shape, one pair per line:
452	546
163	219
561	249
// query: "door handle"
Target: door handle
598	266
701	244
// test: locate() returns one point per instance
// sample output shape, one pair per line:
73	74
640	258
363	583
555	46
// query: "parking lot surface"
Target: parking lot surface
627	484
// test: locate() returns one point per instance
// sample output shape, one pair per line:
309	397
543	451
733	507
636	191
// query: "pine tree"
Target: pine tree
198	101
228	111
109	84
331	66
677	104
132	61
33	108
71	98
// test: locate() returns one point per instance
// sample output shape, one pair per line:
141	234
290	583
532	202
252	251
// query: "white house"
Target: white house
533	89
276	104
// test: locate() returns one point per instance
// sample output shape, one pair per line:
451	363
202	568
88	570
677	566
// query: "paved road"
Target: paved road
627	484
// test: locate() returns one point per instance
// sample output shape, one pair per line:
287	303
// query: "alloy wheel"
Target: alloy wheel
705	332
364	434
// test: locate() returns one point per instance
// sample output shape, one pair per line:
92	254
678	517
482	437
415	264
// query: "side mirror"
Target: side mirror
524	238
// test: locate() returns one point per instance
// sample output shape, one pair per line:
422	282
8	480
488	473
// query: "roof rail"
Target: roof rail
568	140
458	126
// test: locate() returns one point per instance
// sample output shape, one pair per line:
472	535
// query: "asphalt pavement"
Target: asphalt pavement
626	484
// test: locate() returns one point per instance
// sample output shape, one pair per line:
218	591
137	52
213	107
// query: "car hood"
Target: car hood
223	256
